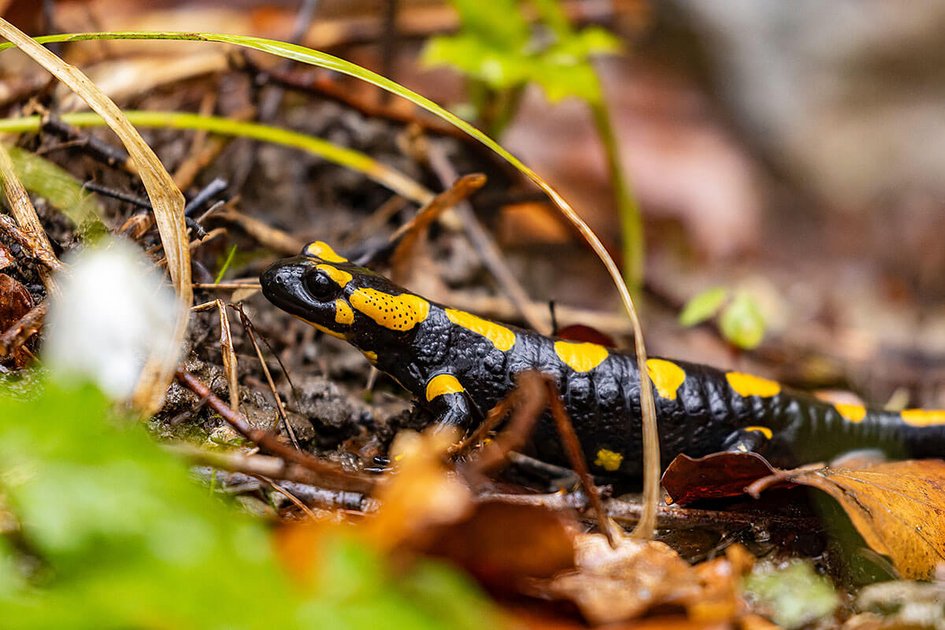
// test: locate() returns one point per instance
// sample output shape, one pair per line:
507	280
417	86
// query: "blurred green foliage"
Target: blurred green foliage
100	528
500	53
794	595
739	318
496	45
57	186
703	306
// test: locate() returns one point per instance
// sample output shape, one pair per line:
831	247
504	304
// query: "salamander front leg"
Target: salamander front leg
747	440
449	402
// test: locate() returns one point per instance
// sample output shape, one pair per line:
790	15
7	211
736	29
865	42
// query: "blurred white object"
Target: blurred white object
113	312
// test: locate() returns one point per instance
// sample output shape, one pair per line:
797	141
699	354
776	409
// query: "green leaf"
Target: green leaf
594	41
703	306
498	68
554	17
794	596
44	179
562	77
741	322
500	24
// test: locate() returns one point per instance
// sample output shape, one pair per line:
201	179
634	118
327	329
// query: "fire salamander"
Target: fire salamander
459	365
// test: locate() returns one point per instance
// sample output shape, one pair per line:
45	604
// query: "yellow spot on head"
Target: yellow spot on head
666	377
397	312
340	277
608	460
923	417
327	331
370	355
765	431
501	337
580	356
442	384
343	313
850	412
750	385
320	249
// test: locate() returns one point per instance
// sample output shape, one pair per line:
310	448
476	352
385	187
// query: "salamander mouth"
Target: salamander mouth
282	285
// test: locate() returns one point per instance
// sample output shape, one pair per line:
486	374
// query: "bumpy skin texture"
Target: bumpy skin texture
459	366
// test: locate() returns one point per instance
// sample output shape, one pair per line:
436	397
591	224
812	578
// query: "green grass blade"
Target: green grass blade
44	179
355	160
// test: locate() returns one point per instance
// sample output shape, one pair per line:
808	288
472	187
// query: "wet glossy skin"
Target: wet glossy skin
459	365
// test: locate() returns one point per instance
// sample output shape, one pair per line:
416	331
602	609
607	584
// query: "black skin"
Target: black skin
707	415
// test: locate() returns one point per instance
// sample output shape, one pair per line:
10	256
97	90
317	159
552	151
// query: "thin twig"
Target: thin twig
670	516
15	233
230	364
24	328
485	245
327	471
227	286
269	237
301	482
280	408
407	235
529	399
572	446
291	497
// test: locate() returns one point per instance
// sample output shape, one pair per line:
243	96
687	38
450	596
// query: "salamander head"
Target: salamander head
341	298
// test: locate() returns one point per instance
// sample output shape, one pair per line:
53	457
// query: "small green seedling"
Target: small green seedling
500	53
739	317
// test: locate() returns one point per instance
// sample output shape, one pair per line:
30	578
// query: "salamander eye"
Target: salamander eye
320	286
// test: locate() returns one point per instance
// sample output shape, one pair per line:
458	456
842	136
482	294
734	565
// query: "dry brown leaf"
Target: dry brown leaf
614	585
503	544
421	494
898	507
15	302
717	475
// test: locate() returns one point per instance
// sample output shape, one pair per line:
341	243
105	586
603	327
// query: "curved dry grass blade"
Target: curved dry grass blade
25	214
166	200
313	57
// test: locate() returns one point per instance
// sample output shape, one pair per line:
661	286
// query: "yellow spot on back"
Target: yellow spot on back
340	276
320	249
608	460
580	356
442	384
851	412
397	312
343	313
750	385
501	337
765	431
666	377
923	417
370	355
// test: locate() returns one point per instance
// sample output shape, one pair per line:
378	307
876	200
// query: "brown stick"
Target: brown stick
528	400
572	446
329	472
24	328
